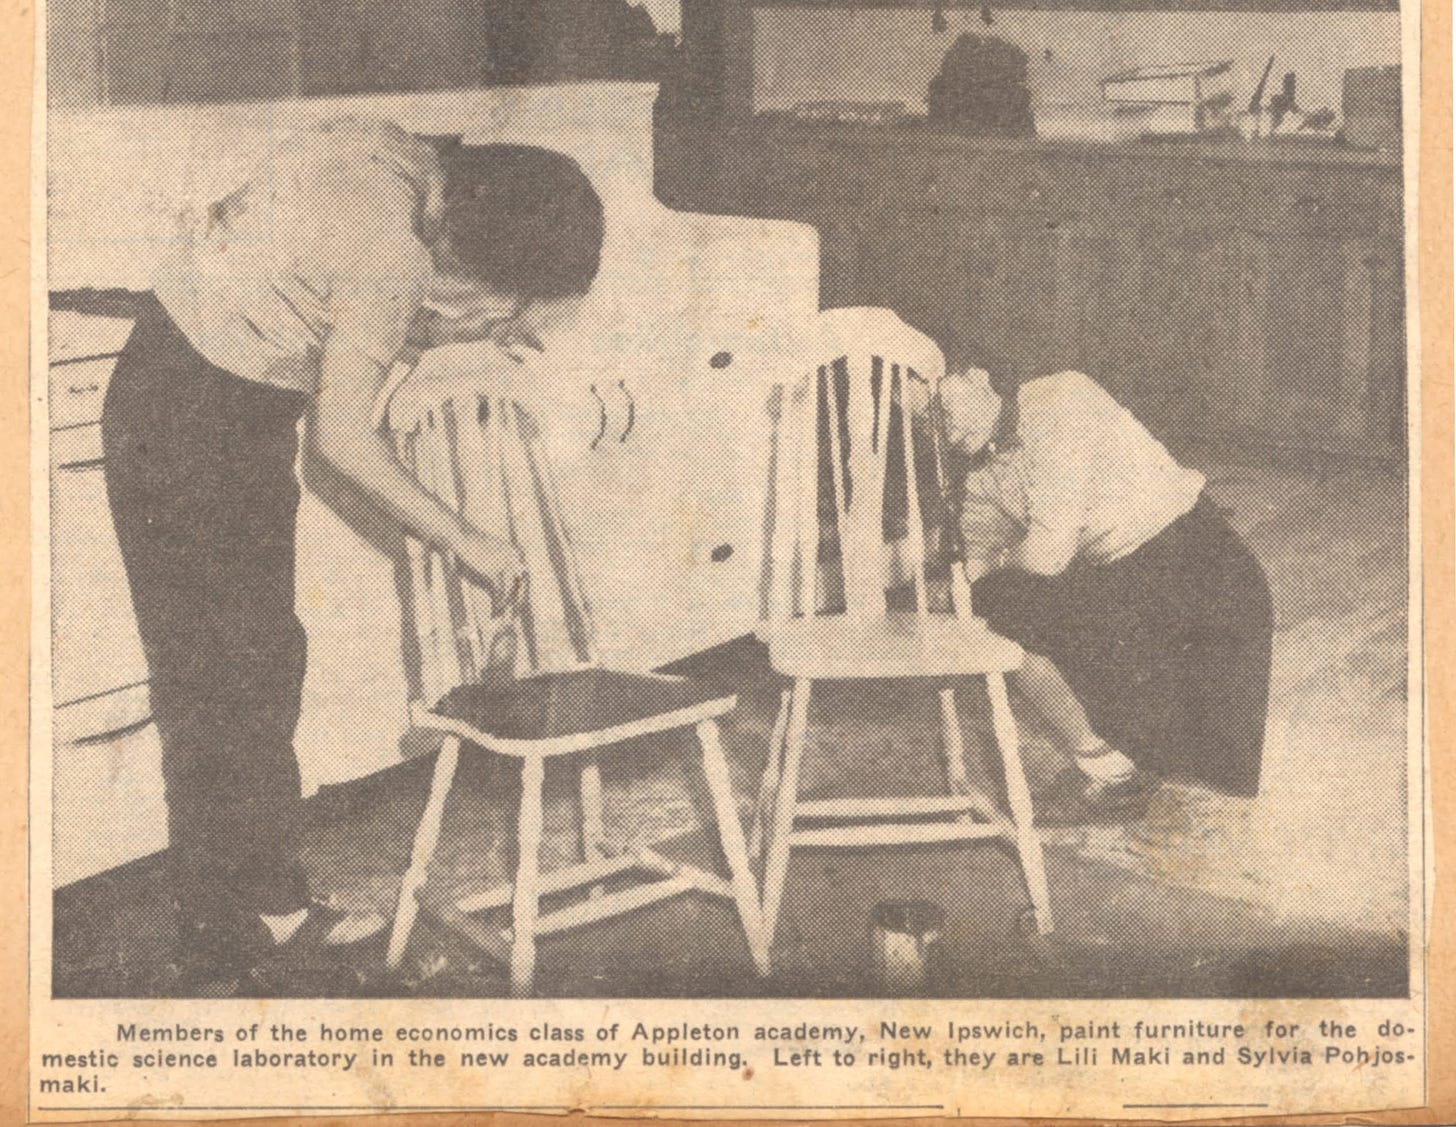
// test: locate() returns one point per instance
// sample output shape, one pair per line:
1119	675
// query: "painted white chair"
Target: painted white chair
478	453
846	427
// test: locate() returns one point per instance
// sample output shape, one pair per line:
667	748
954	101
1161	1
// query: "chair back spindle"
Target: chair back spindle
474	453
847	432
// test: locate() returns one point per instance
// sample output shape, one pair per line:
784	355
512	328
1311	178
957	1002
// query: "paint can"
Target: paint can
905	945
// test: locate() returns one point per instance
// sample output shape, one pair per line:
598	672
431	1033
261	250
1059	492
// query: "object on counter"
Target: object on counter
1173	100
1282	118
905	945
1178	120
1256	101
1113	123
859	113
1177	83
1372	105
1098	123
1283	103
981	89
1295	125
1279	115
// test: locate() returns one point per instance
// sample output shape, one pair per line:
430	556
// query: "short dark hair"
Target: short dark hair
522	219
962	351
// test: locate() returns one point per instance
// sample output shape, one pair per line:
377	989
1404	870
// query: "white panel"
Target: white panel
81	334
85	720
77	391
96	646
109	804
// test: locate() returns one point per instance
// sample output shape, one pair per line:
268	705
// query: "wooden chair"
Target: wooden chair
478	454
846	430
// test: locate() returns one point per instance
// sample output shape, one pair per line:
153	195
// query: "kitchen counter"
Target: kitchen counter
1252	291
919	134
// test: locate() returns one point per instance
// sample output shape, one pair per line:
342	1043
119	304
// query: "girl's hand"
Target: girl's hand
497	564
477	326
514	339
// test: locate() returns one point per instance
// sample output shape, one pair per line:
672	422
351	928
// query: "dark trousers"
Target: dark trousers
199	473
1168	649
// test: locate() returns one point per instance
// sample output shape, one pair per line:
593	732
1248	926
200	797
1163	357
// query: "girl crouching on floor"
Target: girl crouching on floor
1146	620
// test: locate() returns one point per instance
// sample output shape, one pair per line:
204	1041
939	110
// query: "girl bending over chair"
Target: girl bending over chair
1146	620
289	296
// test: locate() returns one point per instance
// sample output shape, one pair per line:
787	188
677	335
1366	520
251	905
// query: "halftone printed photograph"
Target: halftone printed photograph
727	558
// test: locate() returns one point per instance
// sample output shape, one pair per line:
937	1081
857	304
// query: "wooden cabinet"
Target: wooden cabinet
672	537
107	802
106	781
1323	309
95	649
661	465
1155	323
200	52
1217	290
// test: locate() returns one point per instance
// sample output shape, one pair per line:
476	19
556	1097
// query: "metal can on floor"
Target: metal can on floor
905	945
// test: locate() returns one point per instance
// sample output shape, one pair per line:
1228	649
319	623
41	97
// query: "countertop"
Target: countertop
1276	151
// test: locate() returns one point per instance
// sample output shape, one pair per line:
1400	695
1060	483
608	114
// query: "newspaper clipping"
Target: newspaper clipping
726	559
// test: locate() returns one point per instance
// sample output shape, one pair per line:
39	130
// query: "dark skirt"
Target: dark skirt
1168	648
200	478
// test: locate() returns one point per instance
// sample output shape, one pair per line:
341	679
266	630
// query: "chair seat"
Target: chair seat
845	647
558	713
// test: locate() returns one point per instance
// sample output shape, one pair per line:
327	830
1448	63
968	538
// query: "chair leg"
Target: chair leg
527	893
427	836
954	748
593	836
1018	797
776	868
766	790
593	833
730	834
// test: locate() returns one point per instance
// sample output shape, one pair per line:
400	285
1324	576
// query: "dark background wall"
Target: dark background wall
146	51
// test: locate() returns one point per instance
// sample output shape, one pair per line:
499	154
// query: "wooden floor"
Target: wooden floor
1207	896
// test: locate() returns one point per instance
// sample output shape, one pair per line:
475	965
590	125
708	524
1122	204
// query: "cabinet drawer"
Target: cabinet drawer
1005	184
1316	202
74	336
108	804
816	174
95	645
1183	194
101	719
950	182
77	391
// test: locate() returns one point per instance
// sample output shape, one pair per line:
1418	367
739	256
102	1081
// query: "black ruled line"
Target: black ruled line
302	1109
1149	1107
767	1107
